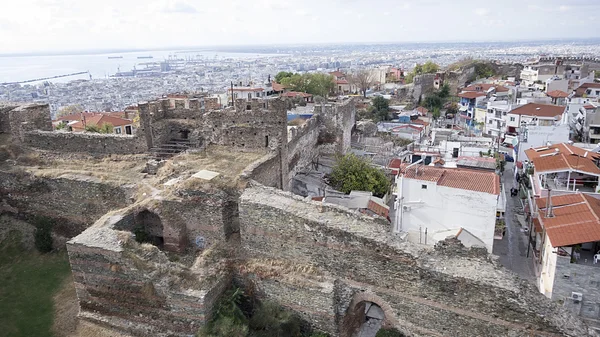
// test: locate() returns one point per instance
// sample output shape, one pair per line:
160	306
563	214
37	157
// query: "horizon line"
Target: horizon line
237	46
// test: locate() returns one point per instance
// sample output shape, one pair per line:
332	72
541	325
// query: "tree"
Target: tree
92	128
106	128
69	109
281	75
430	68
427	68
435	113
380	109
319	84
362	79
437	99
352	173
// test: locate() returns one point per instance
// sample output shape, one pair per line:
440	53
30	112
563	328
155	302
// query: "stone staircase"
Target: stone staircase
170	148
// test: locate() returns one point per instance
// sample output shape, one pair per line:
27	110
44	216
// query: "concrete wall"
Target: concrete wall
540	135
548	272
298	253
440	208
92	143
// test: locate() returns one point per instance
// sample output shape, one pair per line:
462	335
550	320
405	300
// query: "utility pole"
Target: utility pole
232	101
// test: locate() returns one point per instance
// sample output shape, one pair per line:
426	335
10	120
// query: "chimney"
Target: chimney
549	213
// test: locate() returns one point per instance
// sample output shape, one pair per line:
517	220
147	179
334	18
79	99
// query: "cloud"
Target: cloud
482	11
564	8
179	6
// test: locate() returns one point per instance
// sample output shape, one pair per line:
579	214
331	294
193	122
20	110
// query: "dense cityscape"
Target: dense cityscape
186	72
178	168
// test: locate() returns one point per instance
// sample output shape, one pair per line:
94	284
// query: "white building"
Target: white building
433	203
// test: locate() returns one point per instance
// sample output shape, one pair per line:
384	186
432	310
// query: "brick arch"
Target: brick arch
348	325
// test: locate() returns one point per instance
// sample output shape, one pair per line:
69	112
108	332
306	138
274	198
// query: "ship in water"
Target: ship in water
115	57
145	57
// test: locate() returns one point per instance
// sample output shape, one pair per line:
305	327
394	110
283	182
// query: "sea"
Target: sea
27	68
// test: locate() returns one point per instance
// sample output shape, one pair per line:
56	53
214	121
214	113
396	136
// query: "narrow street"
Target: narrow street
512	249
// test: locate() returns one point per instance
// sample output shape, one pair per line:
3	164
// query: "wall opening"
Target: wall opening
148	228
266	141
184	134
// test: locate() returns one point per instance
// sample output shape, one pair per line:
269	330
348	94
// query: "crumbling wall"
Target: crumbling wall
76	201
462	296
338	121
5	118
266	170
423	84
303	147
92	143
30	117
136	288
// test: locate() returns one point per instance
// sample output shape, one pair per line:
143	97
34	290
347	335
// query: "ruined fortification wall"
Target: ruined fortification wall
136	288
423	84
76	201
358	257
92	143
258	123
30	117
5	118
266	171
303	147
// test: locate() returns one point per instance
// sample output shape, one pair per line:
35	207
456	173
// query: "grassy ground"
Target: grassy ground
28	282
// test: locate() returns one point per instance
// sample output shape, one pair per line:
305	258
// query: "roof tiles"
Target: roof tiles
472	180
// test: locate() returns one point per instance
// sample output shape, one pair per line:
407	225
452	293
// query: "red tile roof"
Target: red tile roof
337	73
589	106
557	94
422	110
79	115
295	94
583	88
277	87
575	219
563	157
538	110
341	82
100	120
471	94
485	87
472	180
246	89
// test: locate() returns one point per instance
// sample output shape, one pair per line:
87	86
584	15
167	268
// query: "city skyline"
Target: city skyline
64	26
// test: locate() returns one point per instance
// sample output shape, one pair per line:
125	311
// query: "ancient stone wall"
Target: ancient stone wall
423	84
92	143
136	288
76	201
5	118
266	170
30	117
303	147
353	255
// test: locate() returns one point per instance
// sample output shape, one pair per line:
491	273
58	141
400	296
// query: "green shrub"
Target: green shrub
43	234
270	320
389	333
352	173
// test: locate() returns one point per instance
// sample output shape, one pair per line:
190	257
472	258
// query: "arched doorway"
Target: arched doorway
148	228
367	313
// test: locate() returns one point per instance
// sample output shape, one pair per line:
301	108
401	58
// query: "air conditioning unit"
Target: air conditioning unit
406	208
577	297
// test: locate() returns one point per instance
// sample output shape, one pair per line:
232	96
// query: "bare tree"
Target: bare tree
362	79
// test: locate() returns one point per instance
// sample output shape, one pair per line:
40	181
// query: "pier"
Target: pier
46	78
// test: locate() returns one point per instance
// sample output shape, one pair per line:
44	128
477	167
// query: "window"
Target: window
249	96
490	121
118	130
512	119
423	187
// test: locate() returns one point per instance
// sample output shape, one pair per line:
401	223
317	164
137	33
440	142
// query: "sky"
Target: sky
71	25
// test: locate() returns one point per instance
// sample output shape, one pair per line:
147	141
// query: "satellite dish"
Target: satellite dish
200	242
